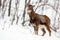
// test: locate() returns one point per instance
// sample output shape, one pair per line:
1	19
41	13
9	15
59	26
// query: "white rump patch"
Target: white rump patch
42	26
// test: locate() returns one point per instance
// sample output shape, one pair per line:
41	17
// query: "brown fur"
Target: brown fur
37	20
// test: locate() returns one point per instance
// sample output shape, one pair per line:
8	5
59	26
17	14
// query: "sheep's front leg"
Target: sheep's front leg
36	30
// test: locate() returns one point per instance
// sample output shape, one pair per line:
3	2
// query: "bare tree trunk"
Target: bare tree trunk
59	22
3	6
24	13
45	2
40	0
13	19
56	5
0	3
29	1
9	8
16	12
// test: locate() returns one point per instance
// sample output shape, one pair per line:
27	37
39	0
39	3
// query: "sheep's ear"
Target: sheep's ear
33	5
28	4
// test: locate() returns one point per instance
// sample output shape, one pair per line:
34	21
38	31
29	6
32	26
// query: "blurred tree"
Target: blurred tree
56	5
9	8
0	3
25	11
16	12
4	4
40	0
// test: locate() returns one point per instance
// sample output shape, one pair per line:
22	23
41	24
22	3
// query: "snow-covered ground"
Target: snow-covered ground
23	33
18	32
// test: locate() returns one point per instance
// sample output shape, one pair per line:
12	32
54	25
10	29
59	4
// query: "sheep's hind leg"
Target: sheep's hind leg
48	28
43	30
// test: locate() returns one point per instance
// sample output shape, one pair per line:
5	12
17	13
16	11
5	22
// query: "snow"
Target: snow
18	33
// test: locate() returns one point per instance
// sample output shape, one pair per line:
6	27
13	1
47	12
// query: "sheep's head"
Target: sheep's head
29	8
